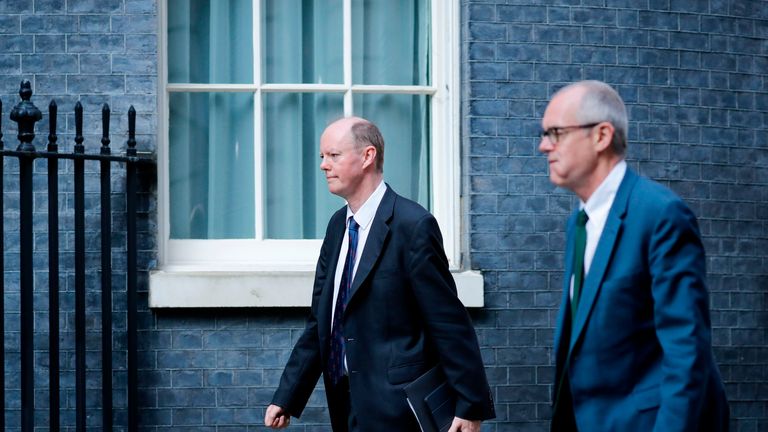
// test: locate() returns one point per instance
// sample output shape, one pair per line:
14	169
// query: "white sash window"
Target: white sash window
248	87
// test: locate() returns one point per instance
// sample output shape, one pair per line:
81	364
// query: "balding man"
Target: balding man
633	339
384	305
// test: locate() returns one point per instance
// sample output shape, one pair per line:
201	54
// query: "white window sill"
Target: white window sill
193	289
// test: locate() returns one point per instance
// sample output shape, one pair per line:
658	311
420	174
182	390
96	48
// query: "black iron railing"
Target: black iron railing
26	115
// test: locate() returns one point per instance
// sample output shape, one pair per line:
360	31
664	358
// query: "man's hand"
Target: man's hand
459	424
277	418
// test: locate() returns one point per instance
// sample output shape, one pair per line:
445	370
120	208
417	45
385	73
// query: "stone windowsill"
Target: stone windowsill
194	289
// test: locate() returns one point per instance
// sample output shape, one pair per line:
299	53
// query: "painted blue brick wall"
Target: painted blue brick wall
693	74
694	77
95	52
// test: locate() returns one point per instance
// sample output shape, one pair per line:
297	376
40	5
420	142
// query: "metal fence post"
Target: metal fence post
53	271
106	274
2	276
130	209
79	168
26	114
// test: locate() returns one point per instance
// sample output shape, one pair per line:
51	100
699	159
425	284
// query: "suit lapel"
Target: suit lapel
565	301
375	242
335	236
603	254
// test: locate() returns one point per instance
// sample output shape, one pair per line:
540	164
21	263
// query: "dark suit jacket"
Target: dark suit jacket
639	357
402	318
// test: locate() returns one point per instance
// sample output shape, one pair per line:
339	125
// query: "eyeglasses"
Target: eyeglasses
553	134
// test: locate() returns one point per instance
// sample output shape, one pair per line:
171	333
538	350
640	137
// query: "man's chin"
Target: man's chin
557	179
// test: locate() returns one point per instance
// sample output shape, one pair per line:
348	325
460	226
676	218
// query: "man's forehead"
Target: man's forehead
331	141
563	105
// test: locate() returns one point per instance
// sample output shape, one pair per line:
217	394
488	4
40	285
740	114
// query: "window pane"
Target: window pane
210	41
390	42
302	41
297	202
211	165
404	123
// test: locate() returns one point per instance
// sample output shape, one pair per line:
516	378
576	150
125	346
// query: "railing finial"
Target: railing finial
131	151
25	91
105	129
1	126
79	147
52	138
26	114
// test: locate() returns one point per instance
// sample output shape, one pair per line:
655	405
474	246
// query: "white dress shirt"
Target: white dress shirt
364	218
597	207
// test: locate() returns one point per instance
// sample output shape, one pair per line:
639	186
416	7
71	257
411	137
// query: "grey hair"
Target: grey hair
600	103
366	133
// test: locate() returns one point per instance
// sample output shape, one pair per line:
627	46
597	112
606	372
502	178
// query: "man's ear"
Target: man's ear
369	156
603	135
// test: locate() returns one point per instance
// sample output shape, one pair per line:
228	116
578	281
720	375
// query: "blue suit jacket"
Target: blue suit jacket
639	356
402	318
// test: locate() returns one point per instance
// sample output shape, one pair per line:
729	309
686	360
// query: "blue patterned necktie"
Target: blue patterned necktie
580	244
337	352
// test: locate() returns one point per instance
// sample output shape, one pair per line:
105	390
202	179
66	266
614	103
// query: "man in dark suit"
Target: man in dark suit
384	305
633	339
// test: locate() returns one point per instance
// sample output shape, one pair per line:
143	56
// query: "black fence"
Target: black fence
26	115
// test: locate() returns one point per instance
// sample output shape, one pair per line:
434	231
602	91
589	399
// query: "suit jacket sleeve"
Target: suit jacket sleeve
448	324
304	365
681	310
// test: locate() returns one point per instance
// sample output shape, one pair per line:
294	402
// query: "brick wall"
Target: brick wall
692	72
96	52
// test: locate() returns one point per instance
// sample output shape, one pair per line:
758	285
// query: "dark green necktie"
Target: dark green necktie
580	243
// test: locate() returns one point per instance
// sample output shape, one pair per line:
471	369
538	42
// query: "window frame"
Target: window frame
215	260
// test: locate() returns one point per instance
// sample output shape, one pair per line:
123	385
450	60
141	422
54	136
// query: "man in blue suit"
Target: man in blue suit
633	338
384	305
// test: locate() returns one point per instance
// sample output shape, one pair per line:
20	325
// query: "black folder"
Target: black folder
432	400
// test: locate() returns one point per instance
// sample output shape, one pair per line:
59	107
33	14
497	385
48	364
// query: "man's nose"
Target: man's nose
545	145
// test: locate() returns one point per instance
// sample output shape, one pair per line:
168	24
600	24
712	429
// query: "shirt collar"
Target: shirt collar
367	211
605	193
